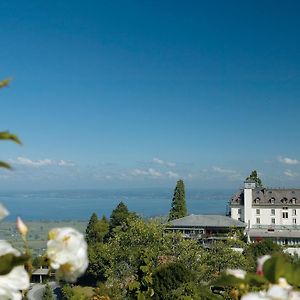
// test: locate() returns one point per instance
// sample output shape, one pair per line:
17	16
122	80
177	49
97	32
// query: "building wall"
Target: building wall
265	216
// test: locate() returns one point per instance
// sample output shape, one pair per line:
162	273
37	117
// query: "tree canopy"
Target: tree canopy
178	208
254	176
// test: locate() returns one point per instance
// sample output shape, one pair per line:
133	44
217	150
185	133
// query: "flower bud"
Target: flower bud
21	227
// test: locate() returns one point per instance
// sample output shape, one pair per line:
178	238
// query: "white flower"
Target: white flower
67	252
17	279
236	272
255	296
278	292
3	211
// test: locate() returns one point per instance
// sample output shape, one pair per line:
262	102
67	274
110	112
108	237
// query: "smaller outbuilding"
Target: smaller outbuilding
205	228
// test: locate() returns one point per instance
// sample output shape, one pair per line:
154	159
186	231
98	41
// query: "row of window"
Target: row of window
273	220
294	211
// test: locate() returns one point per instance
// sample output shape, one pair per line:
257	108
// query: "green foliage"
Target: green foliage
257	249
221	257
141	286
178	208
118	216
6	135
130	256
98	262
274	269
9	261
90	229
39	261
48	295
96	229
77	292
254	176
169	281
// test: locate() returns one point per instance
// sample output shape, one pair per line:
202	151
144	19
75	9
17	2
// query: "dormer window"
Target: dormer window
272	200
284	200
293	200
257	200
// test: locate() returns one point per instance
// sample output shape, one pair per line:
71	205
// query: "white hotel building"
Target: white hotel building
268	213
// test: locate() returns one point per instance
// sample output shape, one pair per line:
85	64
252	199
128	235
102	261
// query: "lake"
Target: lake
80	204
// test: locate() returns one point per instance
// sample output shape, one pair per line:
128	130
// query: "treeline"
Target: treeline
133	258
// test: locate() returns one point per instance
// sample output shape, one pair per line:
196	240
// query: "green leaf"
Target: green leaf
9	261
4	165
4	82
293	276
276	267
134	285
5	135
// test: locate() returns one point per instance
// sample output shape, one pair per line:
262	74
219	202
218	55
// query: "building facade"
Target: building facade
267	212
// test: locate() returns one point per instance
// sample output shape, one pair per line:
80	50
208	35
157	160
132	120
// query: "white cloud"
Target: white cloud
27	162
288	161
24	161
149	172
158	161
162	162
65	163
223	171
289	173
171	174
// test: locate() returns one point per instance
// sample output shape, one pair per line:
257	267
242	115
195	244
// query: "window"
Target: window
239	211
258	220
256	200
285	215
273	220
294	212
293	200
258	211
272	200
285	208
294	221
273	211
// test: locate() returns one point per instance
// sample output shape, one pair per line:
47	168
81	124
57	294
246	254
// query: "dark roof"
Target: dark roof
266	196
206	221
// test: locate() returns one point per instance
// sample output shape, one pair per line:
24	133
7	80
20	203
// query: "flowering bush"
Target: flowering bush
275	278
66	253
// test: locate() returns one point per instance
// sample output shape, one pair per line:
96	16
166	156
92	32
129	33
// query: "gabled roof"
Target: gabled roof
206	221
268	196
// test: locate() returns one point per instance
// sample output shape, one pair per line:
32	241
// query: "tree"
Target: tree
48	295
178	209
168	280
265	247
118	217
254	176
90	229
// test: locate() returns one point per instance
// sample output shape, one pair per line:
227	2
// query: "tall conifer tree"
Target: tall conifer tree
178	208
90	229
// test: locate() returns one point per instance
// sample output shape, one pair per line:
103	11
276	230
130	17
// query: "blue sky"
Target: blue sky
140	93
